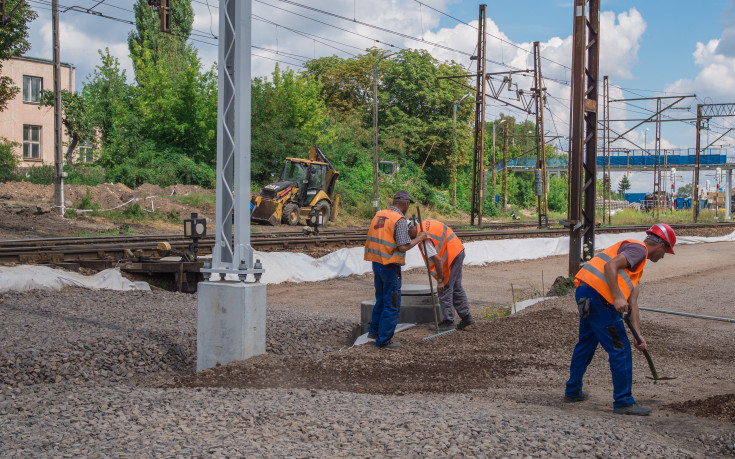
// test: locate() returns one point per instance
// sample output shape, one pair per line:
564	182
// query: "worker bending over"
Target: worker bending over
446	257
607	288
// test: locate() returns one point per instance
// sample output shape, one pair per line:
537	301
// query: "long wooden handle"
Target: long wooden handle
638	340
428	269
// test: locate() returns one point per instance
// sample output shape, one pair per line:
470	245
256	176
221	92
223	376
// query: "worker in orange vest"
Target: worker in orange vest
446	256
386	246
607	288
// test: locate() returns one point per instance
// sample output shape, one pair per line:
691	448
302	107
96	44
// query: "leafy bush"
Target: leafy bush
161	168
557	194
134	212
86	175
8	160
39	175
87	203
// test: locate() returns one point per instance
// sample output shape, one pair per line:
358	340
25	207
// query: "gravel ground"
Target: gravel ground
101	373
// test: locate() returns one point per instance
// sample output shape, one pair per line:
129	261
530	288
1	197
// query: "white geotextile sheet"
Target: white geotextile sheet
298	267
29	277
363	339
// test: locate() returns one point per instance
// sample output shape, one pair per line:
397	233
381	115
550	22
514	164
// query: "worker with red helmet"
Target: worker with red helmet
607	287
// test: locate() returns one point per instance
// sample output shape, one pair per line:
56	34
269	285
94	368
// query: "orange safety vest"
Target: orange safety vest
380	245
593	273
445	242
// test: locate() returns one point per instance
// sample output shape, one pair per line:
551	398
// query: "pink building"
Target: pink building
24	120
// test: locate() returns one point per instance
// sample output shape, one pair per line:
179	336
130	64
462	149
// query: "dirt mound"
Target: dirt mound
720	407
481	357
16	196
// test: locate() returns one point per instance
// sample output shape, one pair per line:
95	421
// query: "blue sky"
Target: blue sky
651	47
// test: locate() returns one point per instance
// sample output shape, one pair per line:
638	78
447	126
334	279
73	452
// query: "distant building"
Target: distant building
24	121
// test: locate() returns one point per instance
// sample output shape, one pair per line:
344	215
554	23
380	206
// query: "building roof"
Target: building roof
43	61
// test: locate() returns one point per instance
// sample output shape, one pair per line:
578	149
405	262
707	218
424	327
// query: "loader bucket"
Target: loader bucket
267	212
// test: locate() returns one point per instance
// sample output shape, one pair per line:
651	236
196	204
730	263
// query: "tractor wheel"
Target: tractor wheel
323	208
291	214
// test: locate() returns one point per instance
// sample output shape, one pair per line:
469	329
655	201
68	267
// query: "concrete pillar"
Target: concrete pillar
728	194
230	322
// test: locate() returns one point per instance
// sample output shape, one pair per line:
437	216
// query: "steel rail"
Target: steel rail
114	247
688	314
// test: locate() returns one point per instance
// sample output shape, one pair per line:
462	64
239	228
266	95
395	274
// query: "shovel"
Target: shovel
656	378
431	285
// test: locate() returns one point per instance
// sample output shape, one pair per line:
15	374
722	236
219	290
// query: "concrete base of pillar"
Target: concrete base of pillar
230	322
416	307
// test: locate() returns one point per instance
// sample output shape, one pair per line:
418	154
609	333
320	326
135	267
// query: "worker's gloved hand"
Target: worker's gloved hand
621	305
642	346
440	286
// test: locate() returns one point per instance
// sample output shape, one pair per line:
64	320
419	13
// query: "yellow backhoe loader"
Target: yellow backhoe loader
304	185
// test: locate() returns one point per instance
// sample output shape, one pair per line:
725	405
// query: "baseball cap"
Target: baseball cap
403	196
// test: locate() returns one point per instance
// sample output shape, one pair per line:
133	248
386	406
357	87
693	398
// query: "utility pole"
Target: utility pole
695	181
478	158
541	187
583	133
705	112
505	168
605	147
657	161
231	313
58	154
376	200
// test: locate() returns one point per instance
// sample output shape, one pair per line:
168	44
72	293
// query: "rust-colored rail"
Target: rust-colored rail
112	248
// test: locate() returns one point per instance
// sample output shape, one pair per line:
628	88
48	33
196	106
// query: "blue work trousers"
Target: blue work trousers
387	309
603	326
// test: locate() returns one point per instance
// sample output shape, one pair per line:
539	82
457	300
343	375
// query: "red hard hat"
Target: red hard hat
666	233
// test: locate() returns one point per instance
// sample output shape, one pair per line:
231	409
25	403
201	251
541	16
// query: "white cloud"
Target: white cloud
76	48
716	78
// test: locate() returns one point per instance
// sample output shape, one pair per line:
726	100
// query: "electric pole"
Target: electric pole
58	154
583	133
541	187
478	159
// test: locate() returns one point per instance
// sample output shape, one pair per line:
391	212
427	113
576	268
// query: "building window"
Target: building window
31	142
86	153
32	87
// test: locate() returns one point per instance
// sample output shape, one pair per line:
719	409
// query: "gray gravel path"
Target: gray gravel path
76	367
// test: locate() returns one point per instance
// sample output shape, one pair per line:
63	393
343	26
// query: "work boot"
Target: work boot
465	322
584	395
391	345
444	325
633	410
372	336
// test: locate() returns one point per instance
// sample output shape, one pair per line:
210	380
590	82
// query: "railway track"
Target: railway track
114	248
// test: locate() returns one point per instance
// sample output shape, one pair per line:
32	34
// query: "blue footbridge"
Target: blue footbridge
637	161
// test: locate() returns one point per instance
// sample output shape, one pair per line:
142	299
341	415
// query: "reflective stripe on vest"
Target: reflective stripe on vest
593	273
380	245
447	246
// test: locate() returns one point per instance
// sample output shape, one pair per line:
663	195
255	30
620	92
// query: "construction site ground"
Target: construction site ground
105	373
494	390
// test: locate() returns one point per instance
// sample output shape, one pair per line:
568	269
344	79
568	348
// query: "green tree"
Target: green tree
164	48
288	115
110	106
13	43
415	110
8	159
684	191
75	118
624	185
